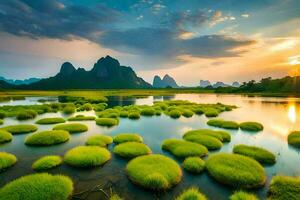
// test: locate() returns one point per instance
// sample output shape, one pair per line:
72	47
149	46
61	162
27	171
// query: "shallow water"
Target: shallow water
278	115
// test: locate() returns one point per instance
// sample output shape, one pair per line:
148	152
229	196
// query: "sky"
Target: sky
191	40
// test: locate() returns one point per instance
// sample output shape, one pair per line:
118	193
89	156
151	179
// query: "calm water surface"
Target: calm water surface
278	115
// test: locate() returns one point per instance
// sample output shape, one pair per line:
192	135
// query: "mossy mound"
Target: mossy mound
82	118
175	113
148	112
99	140
210	142
46	162
220	135
284	187
251	126
155	172
134	115
5	136
38	186
69	110
72	127
128	137
131	149
124	114
183	149
236	170
241	195
294	138
192	193
194	165
109	122
47	138
26	114
211	112
87	156
223	124
54	120
187	113
260	154
20	129
7	160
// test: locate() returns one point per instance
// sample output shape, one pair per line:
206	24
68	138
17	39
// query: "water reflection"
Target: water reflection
292	115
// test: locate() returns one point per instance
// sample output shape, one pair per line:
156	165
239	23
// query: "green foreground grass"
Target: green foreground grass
46	162
284	187
7	160
192	193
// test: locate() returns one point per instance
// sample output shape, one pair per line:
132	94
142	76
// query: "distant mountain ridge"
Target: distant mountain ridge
207	83
20	82
167	81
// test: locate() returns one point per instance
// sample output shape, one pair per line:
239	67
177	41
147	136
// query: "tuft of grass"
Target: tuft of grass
47	138
124	114
220	135
210	142
284	187
5	136
115	196
7	160
175	113
154	172
46	162
294	138
99	140
251	126
260	154
241	195
26	114
109	122
236	170
211	112
87	156
187	113
69	110
128	137
54	120
194	165
223	124
131	149
134	115
72	127
191	193
38	186
20	129
148	112
82	118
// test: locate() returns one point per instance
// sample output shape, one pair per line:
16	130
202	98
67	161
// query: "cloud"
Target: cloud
245	15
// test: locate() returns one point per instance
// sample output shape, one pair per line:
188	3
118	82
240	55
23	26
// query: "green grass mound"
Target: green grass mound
26	114
183	149
187	113
236	170
7	160
134	115
211	112
192	193
5	136
131	149
194	165
175	114
148	112
82	118
124	114
69	110
99	140
260	154
223	136
20	129
210	142
155	172
1	121
251	126
72	128
37	187
294	138
47	138
128	137
55	120
87	156
109	122
223	124
241	195
284	187
46	162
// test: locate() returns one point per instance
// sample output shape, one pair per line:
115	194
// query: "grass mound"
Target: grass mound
109	122
223	124
175	114
187	113
148	112
99	140
194	165
236	170
72	127
55	120
46	162
82	118
47	138
183	149
260	154
294	138
38	186
241	195
251	126
210	142
211	112
26	114
127	137
7	160
69	110
1	121
87	156
155	172
131	149
5	136
223	136
192	193
20	129
284	187
134	115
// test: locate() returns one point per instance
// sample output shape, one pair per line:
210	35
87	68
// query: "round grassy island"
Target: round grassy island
7	160
211	112
87	156
192	193
134	115
82	118
128	137
175	113
148	112
5	136
26	114
284	187
72	127
154	172
46	162
187	113
241	195
210	142
236	170
131	149
194	165
99	140
38	186
251	126
20	129
124	114
108	122
54	120
223	136
47	138
223	124
294	138
69	110
260	154
183	149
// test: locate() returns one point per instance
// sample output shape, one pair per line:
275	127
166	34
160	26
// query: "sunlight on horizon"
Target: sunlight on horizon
292	114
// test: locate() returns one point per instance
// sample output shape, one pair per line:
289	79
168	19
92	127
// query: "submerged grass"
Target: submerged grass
284	187
47	138
192	193
131	149
46	162
20	129
7	160
72	127
5	136
99	140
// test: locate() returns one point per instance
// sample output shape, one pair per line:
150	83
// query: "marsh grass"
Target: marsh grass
294	138
7	160
128	137
47	162
54	120
241	195
82	118
108	122
193	165
71	127
20	129
192	193
251	126
47	138
131	149
26	114
5	136
99	140
284	187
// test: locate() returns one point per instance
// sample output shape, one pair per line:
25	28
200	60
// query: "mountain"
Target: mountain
167	81
204	83
236	84
219	84
20	82
107	73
